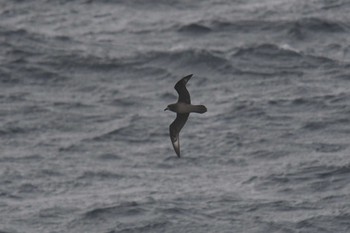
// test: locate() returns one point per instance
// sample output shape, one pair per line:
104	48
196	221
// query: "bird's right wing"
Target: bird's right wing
175	129
181	89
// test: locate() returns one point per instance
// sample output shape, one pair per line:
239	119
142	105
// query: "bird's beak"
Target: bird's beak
166	109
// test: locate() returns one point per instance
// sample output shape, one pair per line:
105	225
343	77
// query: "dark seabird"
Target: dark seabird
183	108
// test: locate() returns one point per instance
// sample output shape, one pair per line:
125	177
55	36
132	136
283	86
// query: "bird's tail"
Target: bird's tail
199	109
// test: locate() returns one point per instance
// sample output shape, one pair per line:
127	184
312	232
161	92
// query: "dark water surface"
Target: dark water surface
84	144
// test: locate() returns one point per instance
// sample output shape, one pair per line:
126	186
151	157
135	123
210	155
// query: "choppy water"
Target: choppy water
84	144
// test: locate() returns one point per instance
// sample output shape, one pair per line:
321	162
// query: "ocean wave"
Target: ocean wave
248	109
12	129
3	230
299	28
133	130
283	57
315	125
311	179
14	97
194	28
109	157
40	75
315	102
47	172
7	78
112	217
155	226
23	42
223	26
333	171
266	154
345	77
268	50
124	209
20	159
106	218
76	60
185	57
28	188
320	223
314	173
126	102
328	147
21	32
100	175
122	133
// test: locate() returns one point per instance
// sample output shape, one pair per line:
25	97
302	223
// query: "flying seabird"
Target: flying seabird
183	108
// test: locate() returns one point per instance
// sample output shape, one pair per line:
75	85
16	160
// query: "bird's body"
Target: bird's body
183	108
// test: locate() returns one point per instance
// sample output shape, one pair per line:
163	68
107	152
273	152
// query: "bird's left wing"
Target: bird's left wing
175	129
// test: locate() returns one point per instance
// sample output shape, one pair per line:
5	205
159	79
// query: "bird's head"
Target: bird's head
170	107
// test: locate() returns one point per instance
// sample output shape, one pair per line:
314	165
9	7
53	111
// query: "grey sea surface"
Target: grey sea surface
84	140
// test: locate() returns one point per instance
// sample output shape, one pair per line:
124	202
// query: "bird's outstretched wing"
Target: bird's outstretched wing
181	89
175	128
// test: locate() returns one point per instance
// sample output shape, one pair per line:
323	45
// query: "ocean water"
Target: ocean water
84	141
